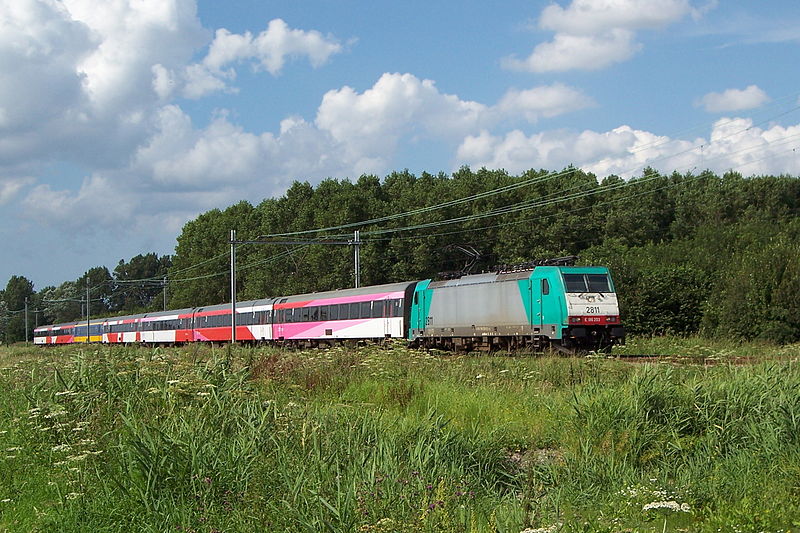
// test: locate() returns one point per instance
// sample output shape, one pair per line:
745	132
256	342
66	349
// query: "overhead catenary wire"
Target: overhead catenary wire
539	203
527	182
551	199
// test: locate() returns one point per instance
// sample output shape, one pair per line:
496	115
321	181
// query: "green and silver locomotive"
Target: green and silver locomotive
565	308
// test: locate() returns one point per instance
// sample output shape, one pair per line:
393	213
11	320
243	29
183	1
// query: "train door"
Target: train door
418	314
278	320
386	315
536	287
543	304
550	307
278	325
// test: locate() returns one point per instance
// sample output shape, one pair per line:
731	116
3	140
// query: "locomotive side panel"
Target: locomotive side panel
476	310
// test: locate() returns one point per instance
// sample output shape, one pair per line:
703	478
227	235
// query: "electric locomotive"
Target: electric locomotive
562	307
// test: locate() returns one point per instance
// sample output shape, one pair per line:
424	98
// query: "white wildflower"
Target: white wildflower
549	529
670	505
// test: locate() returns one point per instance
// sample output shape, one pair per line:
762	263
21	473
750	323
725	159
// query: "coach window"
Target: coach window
305	313
377	309
366	309
397	307
333	312
355	311
323	313
315	314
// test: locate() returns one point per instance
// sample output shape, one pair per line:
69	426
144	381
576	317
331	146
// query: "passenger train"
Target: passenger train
564	308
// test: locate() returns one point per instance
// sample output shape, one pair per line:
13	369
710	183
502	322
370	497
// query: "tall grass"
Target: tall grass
375	439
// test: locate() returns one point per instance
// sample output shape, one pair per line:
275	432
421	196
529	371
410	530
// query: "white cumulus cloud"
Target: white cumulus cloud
11	187
734	100
369	125
732	144
593	34
92	88
269	50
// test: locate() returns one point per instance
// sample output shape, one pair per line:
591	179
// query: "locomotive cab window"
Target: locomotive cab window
597	283
545	287
587	283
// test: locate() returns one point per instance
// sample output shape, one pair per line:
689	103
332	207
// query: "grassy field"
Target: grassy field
201	439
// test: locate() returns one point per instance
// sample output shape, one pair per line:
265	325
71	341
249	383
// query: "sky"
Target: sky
121	120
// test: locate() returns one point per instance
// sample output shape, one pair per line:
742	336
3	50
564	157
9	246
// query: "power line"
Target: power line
525	183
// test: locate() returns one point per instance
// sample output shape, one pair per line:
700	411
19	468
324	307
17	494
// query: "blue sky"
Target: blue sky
120	121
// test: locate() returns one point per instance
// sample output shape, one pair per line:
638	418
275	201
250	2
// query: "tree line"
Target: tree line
690	253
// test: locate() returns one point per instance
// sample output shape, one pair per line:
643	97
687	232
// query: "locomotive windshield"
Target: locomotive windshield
587	283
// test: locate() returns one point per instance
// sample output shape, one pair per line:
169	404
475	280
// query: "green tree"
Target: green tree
138	282
18	291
